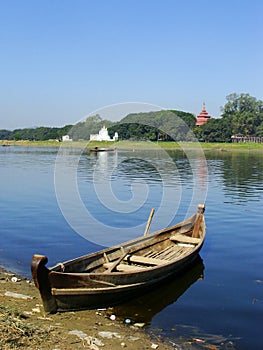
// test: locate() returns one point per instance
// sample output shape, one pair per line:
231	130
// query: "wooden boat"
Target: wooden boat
97	149
115	274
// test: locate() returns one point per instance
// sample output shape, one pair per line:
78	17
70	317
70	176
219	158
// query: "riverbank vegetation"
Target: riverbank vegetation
142	145
241	115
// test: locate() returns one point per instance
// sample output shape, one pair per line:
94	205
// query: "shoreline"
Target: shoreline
24	323
141	145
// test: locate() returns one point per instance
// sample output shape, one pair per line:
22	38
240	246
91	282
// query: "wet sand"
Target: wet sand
24	324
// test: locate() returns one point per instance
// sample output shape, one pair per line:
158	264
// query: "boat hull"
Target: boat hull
115	274
83	298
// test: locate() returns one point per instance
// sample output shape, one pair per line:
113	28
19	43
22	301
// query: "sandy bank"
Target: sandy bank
24	324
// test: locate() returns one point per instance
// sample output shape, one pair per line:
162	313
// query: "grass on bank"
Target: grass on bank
249	146
17	333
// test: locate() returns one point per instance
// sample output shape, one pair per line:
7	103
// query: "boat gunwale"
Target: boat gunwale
132	243
165	264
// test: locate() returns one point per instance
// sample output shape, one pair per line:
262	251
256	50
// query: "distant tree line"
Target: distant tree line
164	125
242	114
92	125
41	133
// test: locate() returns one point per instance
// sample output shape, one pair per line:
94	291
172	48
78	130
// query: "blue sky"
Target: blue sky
63	59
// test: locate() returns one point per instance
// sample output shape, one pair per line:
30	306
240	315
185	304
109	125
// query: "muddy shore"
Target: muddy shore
25	325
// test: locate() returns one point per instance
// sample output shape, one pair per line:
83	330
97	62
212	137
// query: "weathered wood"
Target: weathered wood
124	267
166	252
184	239
147	228
105	257
40	277
90	291
143	260
130	267
115	264
198	221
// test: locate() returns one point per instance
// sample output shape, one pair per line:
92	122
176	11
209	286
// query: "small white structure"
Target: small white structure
103	135
66	138
116	136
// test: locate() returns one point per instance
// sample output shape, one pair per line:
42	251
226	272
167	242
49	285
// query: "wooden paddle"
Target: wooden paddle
149	222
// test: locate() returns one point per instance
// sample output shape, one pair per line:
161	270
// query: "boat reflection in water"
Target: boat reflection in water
144	308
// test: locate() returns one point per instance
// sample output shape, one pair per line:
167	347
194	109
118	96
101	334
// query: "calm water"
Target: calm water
70	204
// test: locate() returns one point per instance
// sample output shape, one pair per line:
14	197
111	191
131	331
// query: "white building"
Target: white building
66	138
103	135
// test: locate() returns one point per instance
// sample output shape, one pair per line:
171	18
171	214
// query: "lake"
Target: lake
70	202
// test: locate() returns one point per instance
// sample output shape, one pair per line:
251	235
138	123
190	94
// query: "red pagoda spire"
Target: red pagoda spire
202	117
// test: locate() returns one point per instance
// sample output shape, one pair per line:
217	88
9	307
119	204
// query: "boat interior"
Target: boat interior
149	251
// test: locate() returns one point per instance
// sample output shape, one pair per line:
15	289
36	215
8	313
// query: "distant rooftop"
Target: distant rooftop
202	117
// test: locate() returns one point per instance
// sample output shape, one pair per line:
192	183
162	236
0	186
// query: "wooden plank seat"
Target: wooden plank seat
184	239
143	260
137	259
123	267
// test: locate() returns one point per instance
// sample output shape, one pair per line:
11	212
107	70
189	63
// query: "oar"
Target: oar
117	262
149	222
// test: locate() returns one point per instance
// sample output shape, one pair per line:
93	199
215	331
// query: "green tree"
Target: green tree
165	125
244	114
91	125
215	130
6	135
17	136
260	130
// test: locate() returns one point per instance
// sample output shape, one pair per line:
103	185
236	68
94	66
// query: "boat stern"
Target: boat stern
40	276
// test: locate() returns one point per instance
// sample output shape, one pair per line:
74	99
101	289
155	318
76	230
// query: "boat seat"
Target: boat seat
123	267
184	239
143	260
